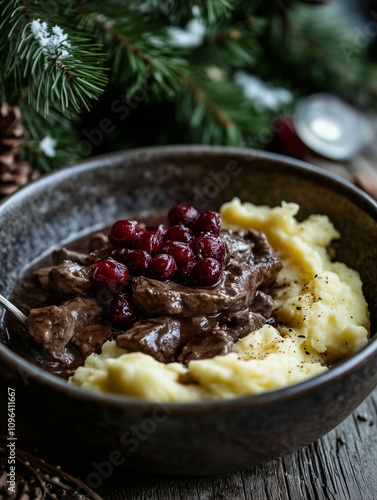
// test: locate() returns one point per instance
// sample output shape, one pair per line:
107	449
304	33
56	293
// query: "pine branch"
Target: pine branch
202	98
154	53
230	45
137	50
59	130
217	113
59	66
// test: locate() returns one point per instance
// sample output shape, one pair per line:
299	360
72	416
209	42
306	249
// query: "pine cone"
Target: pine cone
14	172
22	490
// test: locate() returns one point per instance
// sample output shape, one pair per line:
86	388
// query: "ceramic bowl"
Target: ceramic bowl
197	438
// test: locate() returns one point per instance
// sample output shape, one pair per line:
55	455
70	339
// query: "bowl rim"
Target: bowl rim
284	394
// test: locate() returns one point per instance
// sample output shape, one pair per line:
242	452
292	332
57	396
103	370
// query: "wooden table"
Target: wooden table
340	466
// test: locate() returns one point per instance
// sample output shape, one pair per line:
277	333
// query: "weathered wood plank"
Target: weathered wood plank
340	466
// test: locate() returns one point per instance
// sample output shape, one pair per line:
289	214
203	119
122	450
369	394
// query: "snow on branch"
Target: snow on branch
56	44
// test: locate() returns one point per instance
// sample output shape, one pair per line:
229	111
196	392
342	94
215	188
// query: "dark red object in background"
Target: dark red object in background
286	140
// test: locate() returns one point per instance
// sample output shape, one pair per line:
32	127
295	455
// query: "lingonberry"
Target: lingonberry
207	272
162	267
207	222
123	233
121	311
179	233
209	245
182	214
139	232
160	229
184	258
149	241
110	275
138	261
120	255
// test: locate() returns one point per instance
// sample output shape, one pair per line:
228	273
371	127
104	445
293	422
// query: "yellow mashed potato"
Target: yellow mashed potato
320	311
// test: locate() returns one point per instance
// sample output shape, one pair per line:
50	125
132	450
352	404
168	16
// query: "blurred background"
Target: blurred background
87	78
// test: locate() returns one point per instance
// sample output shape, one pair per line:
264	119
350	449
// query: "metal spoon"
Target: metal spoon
338	131
14	311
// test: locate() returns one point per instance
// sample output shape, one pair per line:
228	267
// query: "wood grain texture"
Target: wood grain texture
340	466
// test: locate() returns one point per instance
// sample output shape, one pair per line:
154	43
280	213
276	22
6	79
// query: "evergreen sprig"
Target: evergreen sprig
132	44
68	76
62	131
230	45
218	113
137	49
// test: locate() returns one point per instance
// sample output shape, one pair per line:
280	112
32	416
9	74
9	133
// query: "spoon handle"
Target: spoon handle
14	311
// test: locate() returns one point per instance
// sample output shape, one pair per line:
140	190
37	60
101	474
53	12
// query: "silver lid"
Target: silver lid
331	127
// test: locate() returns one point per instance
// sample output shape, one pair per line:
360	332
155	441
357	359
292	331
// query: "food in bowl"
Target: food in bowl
212	315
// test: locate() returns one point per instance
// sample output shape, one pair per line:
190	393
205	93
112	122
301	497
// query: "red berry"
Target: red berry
138	261
122	233
207	272
160	229
184	258
209	245
120	255
121	311
207	222
179	233
148	241
182	214
110	275
139	232
162	267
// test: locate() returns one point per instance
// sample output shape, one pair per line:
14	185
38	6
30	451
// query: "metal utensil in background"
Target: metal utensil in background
13	310
338	131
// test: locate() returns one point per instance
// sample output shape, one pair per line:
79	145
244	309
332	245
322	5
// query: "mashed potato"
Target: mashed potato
320	311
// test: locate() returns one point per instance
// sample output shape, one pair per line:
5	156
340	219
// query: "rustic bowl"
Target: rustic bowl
108	431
